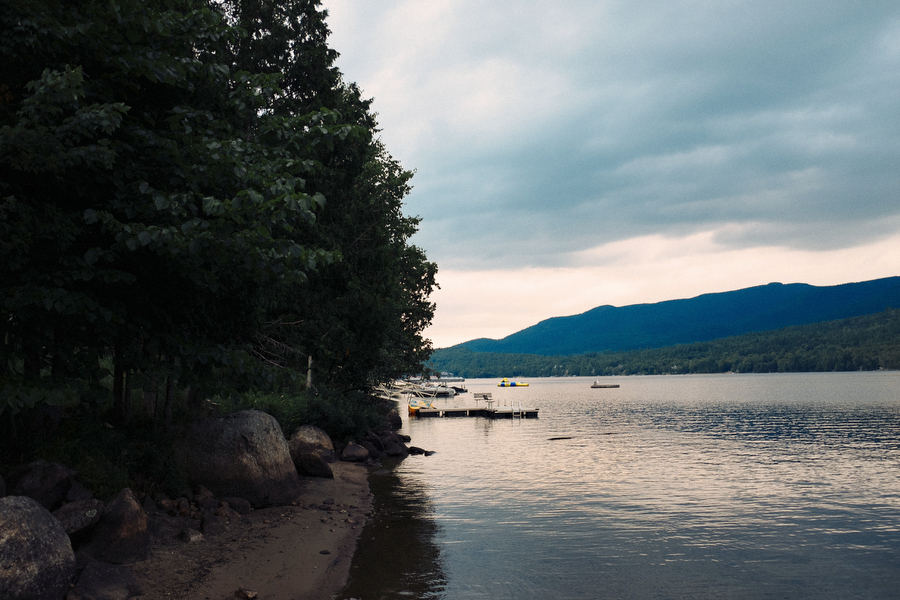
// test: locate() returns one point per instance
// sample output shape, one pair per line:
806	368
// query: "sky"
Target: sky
575	154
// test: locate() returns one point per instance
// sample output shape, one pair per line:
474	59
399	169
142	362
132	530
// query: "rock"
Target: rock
353	452
103	581
36	558
416	450
397	449
46	482
77	516
243	454
228	513
309	439
375	441
78	492
149	505
393	419
212	524
312	465
207	503
239	504
374	452
190	536
122	535
202	492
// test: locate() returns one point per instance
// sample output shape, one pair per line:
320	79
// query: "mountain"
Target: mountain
703	318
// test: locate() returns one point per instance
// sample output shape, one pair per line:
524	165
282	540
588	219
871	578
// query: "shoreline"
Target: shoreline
293	552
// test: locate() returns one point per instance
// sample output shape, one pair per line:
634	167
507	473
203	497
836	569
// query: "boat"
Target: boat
597	384
435	391
507	383
416	403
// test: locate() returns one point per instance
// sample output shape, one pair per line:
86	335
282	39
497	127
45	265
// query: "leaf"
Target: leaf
91	256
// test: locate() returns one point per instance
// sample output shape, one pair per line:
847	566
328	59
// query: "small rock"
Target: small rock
191	536
76	516
239	504
149	505
353	452
212	524
226	512
202	492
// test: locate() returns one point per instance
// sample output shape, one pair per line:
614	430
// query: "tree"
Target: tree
360	318
148	198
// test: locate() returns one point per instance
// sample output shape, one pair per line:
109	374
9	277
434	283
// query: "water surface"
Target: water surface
696	486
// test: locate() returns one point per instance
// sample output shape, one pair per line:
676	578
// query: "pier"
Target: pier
488	410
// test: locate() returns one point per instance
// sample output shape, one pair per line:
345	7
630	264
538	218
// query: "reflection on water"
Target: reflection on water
737	486
397	555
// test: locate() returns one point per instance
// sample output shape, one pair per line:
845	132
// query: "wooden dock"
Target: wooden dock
488	410
504	412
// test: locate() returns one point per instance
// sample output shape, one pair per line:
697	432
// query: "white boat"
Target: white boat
435	391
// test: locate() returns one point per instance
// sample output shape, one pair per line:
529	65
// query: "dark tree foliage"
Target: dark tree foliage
864	343
164	169
360	318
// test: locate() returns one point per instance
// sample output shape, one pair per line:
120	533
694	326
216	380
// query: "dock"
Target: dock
488	410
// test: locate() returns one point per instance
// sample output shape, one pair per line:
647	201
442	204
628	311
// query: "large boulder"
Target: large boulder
243	454
36	558
311	451
46	482
122	535
309	439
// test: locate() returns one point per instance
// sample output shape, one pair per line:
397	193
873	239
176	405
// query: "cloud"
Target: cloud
540	132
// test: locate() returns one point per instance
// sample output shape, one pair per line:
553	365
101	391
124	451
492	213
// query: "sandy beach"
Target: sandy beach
300	552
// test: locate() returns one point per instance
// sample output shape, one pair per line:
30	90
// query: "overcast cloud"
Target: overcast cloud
597	152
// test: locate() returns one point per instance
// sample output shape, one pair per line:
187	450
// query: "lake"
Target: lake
693	486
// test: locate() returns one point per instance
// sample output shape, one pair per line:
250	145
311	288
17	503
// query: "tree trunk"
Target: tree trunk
120	386
170	398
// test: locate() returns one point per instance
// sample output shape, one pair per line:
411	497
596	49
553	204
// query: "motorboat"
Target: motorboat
435	391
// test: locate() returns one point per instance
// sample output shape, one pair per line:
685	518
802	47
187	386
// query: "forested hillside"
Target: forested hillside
706	317
193	204
861	343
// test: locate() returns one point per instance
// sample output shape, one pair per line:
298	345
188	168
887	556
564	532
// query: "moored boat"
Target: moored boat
416	403
507	383
597	384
